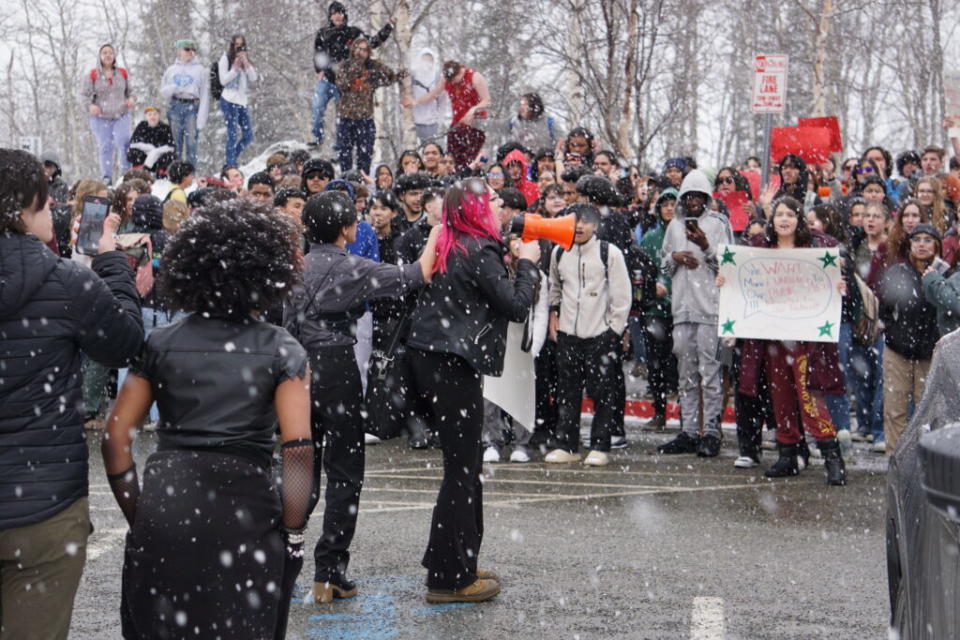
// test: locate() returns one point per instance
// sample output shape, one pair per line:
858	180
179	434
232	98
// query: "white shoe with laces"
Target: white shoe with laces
597	459
490	454
745	462
561	456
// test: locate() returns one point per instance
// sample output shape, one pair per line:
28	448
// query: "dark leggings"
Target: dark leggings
450	392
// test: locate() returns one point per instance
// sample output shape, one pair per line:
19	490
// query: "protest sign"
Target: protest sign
513	390
738	207
779	294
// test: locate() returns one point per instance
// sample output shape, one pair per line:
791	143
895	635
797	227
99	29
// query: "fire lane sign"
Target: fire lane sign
769	84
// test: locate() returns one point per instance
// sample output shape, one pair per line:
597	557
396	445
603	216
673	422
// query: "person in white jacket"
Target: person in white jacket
186	84
237	76
424	74
590	296
513	392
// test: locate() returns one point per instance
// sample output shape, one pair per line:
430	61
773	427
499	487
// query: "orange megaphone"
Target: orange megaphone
531	226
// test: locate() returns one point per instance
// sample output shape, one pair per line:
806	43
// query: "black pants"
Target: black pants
752	412
661	362
337	429
597	365
545	367
453	391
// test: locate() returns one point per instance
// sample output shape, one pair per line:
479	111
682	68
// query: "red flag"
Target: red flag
737	205
810	143
831	123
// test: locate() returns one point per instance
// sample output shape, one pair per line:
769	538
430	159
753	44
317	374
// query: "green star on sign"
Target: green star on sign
728	326
826	329
728	256
828	259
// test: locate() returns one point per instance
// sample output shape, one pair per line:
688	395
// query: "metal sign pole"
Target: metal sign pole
765	160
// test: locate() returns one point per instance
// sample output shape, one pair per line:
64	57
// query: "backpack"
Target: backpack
867	327
139	253
93	75
216	89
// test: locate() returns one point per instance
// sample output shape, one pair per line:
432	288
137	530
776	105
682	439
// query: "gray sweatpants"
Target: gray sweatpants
695	346
494	427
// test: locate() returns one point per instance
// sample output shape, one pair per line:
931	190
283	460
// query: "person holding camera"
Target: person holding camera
237	76
51	310
323	316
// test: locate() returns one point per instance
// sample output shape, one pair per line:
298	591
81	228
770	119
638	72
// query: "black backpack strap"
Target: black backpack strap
605	258
557	254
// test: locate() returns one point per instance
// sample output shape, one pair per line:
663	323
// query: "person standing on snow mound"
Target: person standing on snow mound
107	90
186	84
331	47
323	317
469	96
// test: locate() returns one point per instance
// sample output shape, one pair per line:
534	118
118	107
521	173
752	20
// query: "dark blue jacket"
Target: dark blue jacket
51	309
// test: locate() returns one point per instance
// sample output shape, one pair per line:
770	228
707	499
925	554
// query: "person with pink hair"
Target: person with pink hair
458	335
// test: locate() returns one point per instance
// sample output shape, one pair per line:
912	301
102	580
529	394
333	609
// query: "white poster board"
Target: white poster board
779	294
515	390
769	83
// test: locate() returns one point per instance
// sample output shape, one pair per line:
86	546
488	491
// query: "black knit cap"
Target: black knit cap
318	165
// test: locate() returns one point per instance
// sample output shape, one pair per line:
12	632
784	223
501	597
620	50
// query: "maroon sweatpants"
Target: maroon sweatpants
464	143
786	372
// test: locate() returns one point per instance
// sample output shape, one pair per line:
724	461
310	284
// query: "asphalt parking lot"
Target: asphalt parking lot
648	547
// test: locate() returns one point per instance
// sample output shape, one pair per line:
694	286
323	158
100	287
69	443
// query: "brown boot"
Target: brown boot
477	592
485	574
333	589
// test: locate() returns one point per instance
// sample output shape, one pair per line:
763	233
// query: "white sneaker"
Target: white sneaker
369	438
769	439
879	447
519	455
597	459
845	438
490	454
150	425
745	462
560	456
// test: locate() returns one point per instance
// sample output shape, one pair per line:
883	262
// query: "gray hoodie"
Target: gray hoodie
695	295
110	94
190	81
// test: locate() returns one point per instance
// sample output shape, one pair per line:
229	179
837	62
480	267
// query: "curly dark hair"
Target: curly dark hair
230	258
803	237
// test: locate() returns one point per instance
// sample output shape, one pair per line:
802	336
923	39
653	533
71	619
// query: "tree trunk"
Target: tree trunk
624	148
573	79
820	49
404	40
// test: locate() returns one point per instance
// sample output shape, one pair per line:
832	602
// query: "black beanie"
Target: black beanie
318	165
147	213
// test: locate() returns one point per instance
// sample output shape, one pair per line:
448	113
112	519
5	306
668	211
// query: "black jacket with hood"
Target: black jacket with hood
331	46
50	310
465	310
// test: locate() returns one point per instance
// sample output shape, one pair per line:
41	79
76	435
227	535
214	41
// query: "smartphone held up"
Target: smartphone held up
95	210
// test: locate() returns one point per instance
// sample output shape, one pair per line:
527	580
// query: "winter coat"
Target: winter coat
591	298
236	82
51	309
465	311
909	319
331	46
944	294
651	245
158	136
110	94
359	79
695	295
523	185
189	81
422	80
824	373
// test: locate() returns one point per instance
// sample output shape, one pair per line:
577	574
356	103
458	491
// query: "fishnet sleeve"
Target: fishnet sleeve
126	490
296	482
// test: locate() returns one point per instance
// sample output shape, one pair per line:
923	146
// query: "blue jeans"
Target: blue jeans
183	123
866	368
355	133
324	92
237	119
839	405
112	135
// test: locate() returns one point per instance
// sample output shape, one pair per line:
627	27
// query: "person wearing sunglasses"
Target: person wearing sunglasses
186	84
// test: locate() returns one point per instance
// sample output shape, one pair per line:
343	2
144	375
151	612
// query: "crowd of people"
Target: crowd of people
336	308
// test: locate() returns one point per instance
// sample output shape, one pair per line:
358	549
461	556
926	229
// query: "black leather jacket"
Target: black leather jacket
465	310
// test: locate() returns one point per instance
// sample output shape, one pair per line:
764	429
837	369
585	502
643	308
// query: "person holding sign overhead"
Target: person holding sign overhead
798	373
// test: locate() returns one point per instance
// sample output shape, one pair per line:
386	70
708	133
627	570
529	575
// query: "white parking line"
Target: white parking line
706	621
103	541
